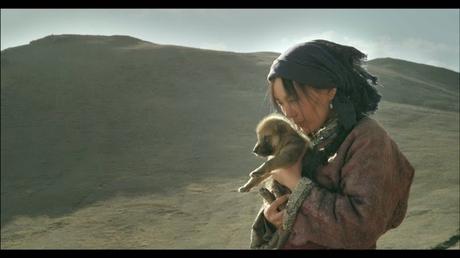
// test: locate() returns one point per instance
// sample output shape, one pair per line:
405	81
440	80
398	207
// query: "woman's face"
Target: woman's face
310	111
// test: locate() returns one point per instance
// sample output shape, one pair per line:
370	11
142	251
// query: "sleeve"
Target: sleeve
265	236
354	215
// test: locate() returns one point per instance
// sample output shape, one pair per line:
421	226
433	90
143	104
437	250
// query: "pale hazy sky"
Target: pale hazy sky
429	36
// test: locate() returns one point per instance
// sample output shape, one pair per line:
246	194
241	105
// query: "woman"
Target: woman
354	185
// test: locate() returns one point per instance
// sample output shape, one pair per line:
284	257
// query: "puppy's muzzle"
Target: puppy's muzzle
262	150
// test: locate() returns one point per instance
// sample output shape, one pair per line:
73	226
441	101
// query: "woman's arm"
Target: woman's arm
359	212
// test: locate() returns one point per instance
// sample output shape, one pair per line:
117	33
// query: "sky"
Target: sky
429	36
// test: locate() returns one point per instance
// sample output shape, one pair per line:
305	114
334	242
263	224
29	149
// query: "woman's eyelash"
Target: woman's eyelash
292	99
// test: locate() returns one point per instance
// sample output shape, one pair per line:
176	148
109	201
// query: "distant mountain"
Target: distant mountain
74	57
417	84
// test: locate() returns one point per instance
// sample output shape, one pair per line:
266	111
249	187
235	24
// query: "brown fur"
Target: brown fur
277	137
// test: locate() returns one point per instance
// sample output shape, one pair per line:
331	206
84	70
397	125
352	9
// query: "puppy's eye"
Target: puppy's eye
266	139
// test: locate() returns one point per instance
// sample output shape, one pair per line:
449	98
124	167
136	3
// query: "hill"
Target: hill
115	142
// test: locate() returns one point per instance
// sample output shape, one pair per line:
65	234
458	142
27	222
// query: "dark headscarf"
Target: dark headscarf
324	65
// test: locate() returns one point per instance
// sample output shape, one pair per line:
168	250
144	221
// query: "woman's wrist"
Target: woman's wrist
293	184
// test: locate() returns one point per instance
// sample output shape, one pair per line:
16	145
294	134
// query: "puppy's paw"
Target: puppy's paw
256	173
243	189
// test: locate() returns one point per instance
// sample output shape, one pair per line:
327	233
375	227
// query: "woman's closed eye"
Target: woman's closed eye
289	101
292	100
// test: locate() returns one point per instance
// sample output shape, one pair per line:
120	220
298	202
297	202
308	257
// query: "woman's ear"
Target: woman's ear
332	93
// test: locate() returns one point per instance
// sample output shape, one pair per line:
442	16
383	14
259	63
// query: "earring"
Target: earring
331	106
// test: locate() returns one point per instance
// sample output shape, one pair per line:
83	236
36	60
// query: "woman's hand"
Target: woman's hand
289	176
272	214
